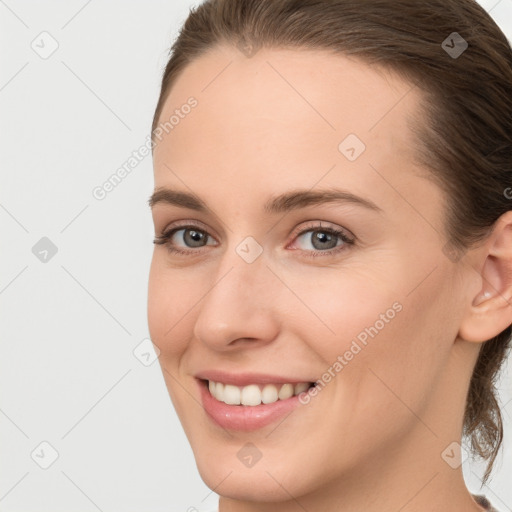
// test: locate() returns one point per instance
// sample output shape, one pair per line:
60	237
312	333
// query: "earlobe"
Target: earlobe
490	310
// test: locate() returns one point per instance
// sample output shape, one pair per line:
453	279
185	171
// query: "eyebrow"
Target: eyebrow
282	203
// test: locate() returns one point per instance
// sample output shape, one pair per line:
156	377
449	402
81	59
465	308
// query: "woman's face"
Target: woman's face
281	148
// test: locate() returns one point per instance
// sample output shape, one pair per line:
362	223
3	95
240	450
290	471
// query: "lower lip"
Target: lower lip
245	417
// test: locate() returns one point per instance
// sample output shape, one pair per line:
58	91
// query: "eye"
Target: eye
190	236
323	241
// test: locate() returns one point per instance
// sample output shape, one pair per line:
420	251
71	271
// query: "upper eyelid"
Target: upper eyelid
186	225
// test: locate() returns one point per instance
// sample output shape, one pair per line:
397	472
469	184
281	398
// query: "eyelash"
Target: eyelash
165	237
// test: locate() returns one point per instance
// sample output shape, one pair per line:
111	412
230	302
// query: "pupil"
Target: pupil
194	236
323	237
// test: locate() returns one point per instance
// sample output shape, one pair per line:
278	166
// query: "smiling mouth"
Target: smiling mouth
255	394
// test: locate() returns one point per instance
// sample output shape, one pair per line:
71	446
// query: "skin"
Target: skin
372	439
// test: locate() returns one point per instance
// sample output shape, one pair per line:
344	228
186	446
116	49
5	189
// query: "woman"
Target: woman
330	287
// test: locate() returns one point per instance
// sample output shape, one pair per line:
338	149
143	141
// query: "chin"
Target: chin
244	485
266	481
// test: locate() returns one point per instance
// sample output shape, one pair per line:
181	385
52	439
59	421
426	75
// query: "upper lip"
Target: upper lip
244	379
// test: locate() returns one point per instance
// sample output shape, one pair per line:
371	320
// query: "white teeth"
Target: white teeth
286	391
254	394
269	394
251	395
299	388
219	391
232	395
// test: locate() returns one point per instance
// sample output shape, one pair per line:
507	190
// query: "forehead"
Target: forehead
288	116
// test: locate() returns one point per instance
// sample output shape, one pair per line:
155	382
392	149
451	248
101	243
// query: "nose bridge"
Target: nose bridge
238	301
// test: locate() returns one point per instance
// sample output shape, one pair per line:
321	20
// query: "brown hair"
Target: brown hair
465	141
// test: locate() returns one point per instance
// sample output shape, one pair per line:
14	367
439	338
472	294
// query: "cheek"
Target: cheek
402	362
170	300
156	298
367	328
342	305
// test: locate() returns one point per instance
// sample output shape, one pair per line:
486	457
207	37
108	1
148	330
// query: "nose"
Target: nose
239	305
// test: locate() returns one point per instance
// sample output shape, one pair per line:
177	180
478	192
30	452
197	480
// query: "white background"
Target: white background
69	326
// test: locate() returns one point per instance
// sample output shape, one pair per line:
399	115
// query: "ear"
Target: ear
490	310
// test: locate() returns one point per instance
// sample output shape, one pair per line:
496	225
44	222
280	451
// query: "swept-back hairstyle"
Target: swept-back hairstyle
465	135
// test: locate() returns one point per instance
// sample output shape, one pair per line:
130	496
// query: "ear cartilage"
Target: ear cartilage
482	298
